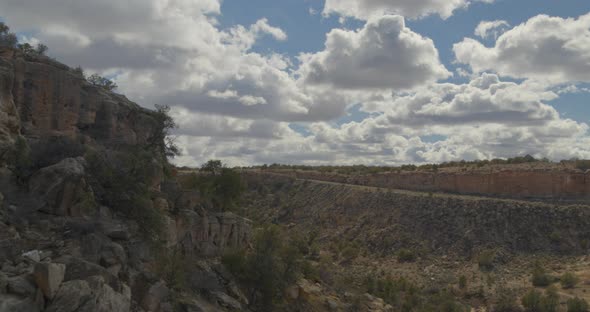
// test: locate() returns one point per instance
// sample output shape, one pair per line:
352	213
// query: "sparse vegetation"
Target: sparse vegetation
102	82
268	269
485	260
121	181
506	301
161	140
577	305
568	280
535	301
221	187
406	255
540	278
7	38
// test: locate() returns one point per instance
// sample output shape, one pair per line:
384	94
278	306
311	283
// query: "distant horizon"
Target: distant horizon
374	83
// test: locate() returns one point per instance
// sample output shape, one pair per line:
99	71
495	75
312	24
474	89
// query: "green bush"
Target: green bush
540	278
577	305
506	301
534	301
220	186
485	260
19	160
568	280
120	181
406	255
268	269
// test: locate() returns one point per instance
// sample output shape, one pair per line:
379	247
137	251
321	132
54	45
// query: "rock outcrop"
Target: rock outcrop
40	97
63	247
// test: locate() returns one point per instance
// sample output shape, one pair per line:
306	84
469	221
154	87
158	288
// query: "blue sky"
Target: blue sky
375	82
307	32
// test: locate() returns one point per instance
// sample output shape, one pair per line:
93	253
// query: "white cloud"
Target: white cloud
384	54
235	104
365	9
550	49
493	29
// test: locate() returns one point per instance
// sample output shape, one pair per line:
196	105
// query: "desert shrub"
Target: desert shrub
535	301
485	260
268	269
102	82
350	253
221	187
172	267
462	282
506	301
532	301
7	38
406	255
555	237
568	280
120	181
19	160
582	164
540	278
577	305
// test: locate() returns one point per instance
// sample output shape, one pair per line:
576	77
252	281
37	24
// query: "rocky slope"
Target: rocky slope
432	240
63	247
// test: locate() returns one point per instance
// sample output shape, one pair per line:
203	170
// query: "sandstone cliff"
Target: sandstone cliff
557	184
40	97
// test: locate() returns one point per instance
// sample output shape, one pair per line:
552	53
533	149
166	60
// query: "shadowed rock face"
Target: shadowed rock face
41	97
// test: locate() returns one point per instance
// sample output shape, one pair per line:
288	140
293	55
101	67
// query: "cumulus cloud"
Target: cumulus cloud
383	54
487	29
545	48
235	104
365	9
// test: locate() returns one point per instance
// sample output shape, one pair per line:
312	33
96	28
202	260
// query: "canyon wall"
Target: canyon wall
40	97
511	183
385	221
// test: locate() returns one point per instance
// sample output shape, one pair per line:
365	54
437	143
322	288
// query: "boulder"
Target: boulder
226	301
61	187
70	296
22	285
10	303
154	297
48	277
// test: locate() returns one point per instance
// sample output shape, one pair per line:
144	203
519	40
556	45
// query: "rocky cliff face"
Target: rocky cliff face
511	183
40	97
61	247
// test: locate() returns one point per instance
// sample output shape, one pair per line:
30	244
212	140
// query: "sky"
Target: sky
338	82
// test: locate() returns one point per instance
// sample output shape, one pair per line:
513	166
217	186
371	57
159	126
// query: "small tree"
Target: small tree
7	38
161	139
102	82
